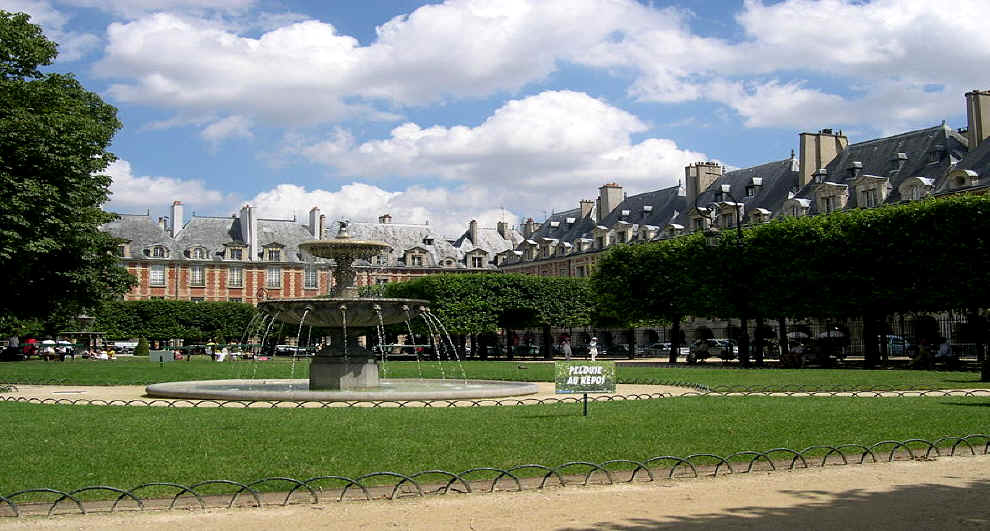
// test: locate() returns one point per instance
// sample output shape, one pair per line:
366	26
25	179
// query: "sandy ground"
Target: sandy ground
136	392
947	493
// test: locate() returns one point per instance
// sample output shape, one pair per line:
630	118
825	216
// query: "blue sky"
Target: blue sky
443	112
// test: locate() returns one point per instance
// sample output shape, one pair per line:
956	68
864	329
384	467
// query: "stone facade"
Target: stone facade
245	258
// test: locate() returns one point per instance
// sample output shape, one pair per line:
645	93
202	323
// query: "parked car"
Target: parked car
662	349
703	349
289	350
898	346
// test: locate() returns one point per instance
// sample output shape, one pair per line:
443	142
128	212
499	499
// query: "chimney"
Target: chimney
817	150
820	176
249	231
473	231
698	177
609	197
176	217
503	230
587	205
385	219
323	226
161	224
315	222
529	228
977	120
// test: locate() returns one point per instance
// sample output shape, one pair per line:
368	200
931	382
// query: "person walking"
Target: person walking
565	347
593	348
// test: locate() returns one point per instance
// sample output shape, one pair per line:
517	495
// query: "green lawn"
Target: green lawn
139	371
68	447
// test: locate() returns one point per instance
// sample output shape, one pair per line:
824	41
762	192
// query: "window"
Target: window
750	190
600	242
427	241
197	299
564	271
157	277
579	271
198	253
196	276
237	254
828	203
870	198
121	251
417	260
378	259
546	252
794	211
157	298
381	281
622	236
235	277
158	252
915	192
234	299
477	261
728	220
273	277
310	277
273	255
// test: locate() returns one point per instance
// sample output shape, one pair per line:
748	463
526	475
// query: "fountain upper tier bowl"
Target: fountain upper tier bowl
337	247
332	312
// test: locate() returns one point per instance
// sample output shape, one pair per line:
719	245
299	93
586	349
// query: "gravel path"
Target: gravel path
947	493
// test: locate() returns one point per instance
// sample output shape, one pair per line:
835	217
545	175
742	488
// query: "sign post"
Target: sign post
584	377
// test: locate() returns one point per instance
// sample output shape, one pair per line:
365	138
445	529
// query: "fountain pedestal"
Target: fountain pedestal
336	374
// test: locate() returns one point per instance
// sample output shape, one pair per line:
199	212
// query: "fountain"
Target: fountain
343	369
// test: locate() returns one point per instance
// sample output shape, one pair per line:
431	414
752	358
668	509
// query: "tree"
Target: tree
54	136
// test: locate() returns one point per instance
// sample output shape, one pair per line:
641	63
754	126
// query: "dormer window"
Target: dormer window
477	261
158	251
121	251
935	154
273	255
554	224
236	253
197	253
647	209
427	241
417	260
898	161
753	187
625	213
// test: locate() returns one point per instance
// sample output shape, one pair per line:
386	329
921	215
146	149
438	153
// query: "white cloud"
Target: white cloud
132	193
229	127
560	145
446	210
305	73
72	45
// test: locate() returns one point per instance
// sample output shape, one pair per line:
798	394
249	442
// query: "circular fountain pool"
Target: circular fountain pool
298	389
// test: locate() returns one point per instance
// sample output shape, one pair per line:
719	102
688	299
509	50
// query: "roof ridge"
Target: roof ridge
899	135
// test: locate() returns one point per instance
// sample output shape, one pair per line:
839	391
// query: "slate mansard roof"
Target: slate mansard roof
776	180
925	153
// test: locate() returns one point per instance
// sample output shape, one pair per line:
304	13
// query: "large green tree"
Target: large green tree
54	136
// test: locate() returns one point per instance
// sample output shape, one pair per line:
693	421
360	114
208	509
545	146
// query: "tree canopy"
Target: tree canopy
479	303
54	135
923	256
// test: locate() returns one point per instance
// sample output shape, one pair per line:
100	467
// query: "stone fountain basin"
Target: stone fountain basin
298	390
360	312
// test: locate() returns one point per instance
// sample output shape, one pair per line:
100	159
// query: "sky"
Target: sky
496	110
